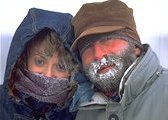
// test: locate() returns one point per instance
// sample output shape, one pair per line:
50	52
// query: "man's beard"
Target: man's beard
114	68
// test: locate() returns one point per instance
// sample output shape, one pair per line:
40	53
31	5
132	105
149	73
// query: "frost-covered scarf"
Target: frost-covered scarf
45	89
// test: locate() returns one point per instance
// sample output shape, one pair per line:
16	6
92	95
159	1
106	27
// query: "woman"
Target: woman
39	77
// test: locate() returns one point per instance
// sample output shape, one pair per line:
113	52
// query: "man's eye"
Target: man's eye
39	62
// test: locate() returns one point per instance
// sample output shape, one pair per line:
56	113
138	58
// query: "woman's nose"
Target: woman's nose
48	73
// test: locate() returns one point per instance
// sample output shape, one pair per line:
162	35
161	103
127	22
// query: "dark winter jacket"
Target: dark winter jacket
34	22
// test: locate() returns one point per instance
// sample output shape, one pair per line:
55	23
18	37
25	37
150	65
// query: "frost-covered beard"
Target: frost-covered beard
115	65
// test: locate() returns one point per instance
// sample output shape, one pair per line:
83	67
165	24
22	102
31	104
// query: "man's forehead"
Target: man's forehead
87	41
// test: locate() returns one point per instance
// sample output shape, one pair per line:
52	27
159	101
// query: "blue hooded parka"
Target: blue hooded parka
35	21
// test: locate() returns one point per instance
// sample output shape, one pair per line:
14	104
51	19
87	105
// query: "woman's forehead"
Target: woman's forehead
42	49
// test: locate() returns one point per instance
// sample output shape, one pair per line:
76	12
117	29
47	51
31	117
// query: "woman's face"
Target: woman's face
40	62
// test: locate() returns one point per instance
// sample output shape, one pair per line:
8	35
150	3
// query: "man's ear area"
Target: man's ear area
137	51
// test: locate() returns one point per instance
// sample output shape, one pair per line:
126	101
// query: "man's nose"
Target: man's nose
99	50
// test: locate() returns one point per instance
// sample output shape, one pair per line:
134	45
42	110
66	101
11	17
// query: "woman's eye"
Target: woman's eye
39	62
61	67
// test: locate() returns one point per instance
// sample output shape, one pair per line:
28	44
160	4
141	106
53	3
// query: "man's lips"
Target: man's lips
104	68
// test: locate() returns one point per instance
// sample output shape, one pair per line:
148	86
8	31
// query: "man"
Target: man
128	80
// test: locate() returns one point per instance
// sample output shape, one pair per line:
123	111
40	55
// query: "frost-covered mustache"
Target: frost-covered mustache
110	61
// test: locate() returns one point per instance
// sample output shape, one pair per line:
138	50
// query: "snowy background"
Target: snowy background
150	15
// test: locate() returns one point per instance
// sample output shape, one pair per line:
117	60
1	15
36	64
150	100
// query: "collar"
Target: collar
142	76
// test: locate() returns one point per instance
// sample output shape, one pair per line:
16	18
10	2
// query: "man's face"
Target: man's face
105	62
